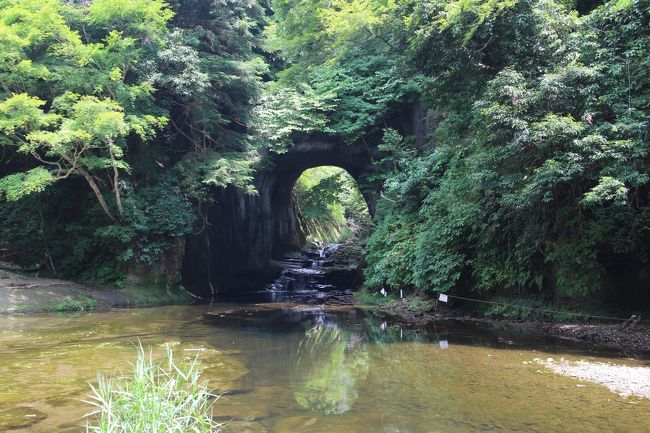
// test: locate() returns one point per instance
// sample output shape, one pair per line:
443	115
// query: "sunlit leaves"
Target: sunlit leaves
608	190
465	17
287	111
17	186
200	170
146	19
342	19
21	113
79	134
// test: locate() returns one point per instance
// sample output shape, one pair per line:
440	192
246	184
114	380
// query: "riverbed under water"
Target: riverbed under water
290	368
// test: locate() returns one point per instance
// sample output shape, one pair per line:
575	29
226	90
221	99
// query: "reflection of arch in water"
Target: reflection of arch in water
330	366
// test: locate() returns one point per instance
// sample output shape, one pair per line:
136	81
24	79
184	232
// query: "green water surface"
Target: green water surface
285	368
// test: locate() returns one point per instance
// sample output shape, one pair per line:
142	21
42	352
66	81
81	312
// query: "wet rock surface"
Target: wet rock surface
21	294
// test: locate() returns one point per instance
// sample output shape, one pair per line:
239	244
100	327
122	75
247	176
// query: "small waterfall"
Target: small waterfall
305	277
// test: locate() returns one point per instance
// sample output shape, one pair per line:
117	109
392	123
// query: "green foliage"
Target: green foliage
608	190
331	205
530	309
153	217
76	305
284	112
141	106
154	397
533	177
198	171
351	54
536	178
65	231
19	185
134	18
365	298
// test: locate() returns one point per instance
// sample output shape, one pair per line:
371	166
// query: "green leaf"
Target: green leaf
18	185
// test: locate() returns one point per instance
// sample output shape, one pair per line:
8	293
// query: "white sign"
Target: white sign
383	292
444	344
443	298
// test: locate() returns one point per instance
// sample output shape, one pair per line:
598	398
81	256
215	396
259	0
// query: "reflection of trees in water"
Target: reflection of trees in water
402	356
377	331
330	366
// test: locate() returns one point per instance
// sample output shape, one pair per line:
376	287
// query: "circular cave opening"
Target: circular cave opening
331	207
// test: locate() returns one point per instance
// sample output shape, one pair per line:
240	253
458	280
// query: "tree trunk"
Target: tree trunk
116	187
99	195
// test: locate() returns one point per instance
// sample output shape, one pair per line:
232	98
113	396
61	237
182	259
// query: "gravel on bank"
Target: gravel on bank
625	380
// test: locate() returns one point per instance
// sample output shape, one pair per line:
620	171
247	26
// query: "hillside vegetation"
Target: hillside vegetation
118	118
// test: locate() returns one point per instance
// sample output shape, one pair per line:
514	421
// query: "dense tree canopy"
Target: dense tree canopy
534	176
117	118
147	102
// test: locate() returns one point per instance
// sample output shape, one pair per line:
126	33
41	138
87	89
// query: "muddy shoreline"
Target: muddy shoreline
632	340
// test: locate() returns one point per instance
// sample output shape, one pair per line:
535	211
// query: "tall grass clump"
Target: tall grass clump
153	398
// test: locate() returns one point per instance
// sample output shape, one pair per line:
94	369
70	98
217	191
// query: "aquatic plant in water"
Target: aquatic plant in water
156	397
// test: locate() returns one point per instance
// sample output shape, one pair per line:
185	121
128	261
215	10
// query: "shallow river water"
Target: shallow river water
286	368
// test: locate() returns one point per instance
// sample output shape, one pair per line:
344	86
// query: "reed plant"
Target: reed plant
155	397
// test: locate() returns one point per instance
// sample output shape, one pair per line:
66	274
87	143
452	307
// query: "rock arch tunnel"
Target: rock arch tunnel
244	233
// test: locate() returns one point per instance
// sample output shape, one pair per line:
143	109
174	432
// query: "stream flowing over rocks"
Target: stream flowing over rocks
313	275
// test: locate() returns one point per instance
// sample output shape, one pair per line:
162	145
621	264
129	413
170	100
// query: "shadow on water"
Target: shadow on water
377	328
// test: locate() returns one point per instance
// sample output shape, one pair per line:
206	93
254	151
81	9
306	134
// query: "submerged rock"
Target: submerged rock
221	368
20	417
254	406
